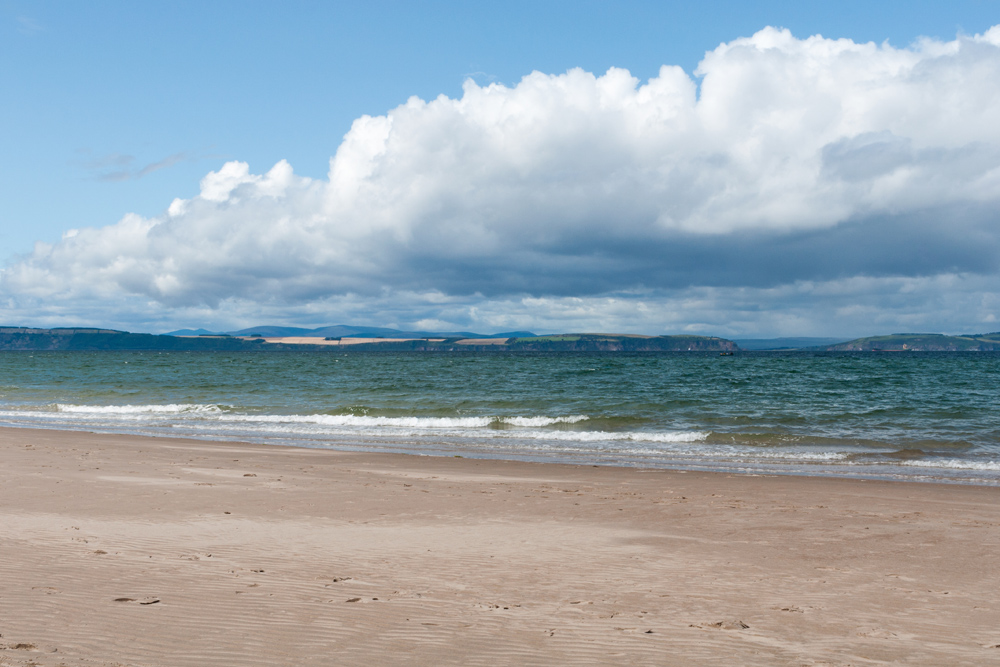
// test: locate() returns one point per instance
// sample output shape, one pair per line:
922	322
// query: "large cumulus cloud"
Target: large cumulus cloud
782	163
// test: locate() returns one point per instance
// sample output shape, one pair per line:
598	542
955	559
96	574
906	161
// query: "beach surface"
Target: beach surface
125	550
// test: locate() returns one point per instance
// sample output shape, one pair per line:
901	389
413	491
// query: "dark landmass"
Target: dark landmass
918	342
360	339
799	343
341	330
195	332
560	343
622	343
22	338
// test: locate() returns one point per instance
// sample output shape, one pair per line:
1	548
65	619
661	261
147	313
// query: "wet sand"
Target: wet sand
122	550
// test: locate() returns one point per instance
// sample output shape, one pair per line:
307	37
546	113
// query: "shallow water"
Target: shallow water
923	416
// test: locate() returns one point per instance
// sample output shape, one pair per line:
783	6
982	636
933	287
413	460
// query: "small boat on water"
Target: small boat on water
725	354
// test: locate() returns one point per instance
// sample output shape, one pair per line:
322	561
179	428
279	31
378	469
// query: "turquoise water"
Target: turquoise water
923	416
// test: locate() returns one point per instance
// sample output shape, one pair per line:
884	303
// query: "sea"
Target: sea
918	416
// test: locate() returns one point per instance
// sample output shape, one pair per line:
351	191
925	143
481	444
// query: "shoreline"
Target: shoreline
137	550
865	471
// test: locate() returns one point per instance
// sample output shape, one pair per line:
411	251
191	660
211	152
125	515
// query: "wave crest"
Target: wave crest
170	408
953	464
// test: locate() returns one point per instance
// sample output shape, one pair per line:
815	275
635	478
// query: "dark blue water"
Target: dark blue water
926	416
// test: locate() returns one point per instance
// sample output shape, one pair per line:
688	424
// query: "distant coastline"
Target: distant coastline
359	339
92	339
918	342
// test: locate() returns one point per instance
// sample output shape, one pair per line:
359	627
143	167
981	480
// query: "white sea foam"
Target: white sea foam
330	420
316	425
475	427
366	421
111	410
485	432
608	436
953	464
542	421
793	455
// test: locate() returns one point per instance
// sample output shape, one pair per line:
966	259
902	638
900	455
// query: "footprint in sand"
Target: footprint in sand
723	625
21	646
876	633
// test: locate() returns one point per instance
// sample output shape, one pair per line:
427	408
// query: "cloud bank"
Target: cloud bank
791	185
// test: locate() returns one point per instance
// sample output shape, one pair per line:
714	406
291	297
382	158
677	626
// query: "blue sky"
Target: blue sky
116	108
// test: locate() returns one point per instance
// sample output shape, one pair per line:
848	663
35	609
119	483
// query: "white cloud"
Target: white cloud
850	307
787	162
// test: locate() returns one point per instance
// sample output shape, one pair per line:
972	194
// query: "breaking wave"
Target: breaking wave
111	410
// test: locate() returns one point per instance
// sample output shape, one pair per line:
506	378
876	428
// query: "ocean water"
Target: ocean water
916	416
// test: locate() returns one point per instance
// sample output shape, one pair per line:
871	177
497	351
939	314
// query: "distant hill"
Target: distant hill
573	342
921	342
345	338
341	330
21	338
279	331
785	343
620	343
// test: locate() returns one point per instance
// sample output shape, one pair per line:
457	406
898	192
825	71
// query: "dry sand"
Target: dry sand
119	550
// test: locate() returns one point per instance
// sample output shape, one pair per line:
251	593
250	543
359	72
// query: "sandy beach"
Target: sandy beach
122	550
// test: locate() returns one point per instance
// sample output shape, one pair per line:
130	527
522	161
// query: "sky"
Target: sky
727	168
